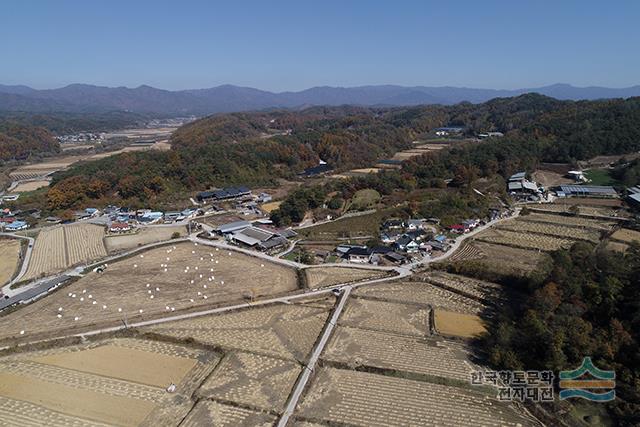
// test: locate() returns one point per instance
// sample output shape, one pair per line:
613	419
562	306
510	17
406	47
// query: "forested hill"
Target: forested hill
257	148
21	142
60	123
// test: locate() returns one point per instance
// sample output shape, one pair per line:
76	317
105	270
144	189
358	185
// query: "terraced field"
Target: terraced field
467	252
524	240
386	316
504	259
285	331
359	398
626	235
252	379
573	233
114	382
421	293
465	285
322	277
60	247
569	221
208	413
158	281
429	356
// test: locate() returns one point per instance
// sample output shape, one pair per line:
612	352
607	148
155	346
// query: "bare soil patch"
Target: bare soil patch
626	235
144	236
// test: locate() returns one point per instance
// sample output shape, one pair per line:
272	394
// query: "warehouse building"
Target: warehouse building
587	191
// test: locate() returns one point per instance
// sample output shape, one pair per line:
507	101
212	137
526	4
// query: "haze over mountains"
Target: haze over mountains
228	98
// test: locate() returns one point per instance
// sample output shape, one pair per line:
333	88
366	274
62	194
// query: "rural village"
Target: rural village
213	310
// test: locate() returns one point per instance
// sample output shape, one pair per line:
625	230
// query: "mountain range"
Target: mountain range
228	98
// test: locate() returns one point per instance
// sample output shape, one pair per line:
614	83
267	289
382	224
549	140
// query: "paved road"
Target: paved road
303	379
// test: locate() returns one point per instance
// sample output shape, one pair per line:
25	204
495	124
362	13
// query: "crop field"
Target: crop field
252	379
115	382
524	240
208	413
157	281
354	226
471	287
49	253
502	259
30	186
558	230
428	356
321	277
9	257
144	236
458	324
61	247
420	293
626	235
602	210
467	252
284	331
568	221
386	316
359	398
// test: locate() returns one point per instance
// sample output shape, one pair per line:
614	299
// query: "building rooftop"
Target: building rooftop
588	189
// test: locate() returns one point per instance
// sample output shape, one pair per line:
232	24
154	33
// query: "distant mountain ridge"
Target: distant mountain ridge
229	98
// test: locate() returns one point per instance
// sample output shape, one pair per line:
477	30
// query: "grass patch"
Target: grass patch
600	177
356	226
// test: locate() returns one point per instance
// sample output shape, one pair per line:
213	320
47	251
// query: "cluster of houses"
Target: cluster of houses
258	234
10	222
519	187
122	220
412	235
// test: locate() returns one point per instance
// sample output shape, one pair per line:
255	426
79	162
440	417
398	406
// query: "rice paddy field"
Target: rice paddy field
253	380
9	259
117	382
348	397
60	247
458	324
626	235
143	236
322	277
285	331
150	284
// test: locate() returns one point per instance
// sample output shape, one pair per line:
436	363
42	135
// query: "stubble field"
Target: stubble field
115	382
60	247
9	257
157	281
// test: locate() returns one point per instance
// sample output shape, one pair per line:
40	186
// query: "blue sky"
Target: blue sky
292	45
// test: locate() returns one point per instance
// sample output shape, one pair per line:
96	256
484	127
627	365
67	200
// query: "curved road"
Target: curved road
6	289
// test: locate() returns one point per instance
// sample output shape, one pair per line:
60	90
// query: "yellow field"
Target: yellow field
87	404
9	253
131	364
458	324
271	206
118	382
